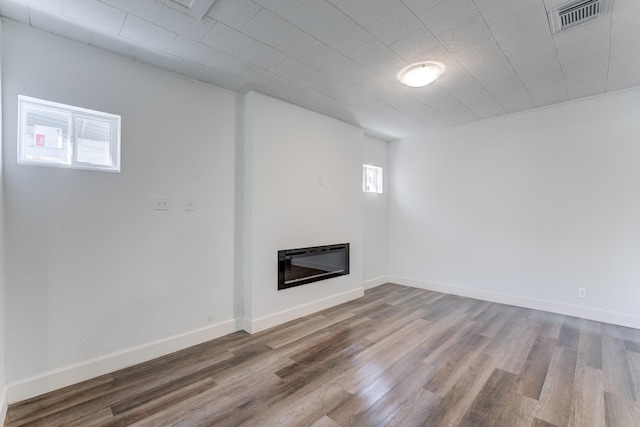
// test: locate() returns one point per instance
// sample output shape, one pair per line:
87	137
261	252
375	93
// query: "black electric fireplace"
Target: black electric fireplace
306	265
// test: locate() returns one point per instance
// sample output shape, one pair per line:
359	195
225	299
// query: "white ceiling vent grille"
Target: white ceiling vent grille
576	12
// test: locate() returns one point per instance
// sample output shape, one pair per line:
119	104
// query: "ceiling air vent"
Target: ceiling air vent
576	12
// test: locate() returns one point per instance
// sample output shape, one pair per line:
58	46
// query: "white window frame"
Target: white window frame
71	156
372	179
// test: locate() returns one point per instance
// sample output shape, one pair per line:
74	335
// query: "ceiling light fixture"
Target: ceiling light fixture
420	74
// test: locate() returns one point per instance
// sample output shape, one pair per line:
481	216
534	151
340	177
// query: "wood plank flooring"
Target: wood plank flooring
397	357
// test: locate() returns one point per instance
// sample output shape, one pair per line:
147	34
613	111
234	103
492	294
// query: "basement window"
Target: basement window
59	135
371	179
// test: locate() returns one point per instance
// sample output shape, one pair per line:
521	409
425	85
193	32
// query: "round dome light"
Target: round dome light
420	74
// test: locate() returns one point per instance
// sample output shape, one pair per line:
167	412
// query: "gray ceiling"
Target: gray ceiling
341	57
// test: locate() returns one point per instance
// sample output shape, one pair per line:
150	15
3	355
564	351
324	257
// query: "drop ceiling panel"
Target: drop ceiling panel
341	57
146	33
60	25
269	28
191	50
262	55
112	44
195	71
227	39
234	13
281	7
448	15
330	62
185	25
395	25
302	46
316	17
158	58
346	36
226	63
364	12
292	69
96	15
145	9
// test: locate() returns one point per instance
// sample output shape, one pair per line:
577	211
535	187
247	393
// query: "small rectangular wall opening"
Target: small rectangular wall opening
306	265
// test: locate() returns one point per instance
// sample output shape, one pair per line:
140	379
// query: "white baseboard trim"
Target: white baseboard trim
372	283
83	371
265	322
4	404
605	316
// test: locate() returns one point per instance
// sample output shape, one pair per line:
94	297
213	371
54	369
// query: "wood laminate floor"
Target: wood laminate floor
397	357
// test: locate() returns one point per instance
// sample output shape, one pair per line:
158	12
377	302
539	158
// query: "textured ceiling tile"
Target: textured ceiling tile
363	101
60	25
346	36
284	87
96	15
262	55
416	46
146	33
448	14
145	9
465	35
228	64
49	6
496	10
515	100
455	110
395	25
158	59
226	81
280	7
508	83
302	47
258	76
353	73
329	61
371	53
587	82
434	119
226	39
191	50
195	71
595	32
489	108
548	95
178	22
418	6
592	62
365	12
625	38
521	25
328	86
292	69
624	72
269	28
316	17
113	44
234	13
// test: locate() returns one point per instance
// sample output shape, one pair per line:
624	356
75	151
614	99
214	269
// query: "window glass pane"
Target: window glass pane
60	135
371	179
93	141
46	133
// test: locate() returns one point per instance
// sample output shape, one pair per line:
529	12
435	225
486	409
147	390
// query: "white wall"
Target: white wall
92	270
526	208
375	221
2	305
288	149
